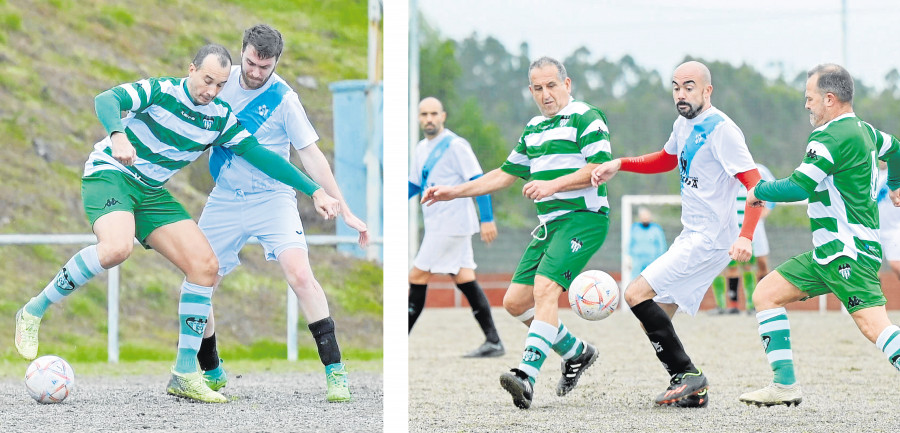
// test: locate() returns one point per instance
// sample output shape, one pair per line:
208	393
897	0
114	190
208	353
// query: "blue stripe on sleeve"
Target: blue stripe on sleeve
485	209
413	189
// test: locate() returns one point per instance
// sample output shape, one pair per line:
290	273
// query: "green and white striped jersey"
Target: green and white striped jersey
168	130
840	173
559	145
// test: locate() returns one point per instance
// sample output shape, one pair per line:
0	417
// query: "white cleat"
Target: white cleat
774	394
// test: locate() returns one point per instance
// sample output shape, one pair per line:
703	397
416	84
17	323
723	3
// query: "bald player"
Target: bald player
712	157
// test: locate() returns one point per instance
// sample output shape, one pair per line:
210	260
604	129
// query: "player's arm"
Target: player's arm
319	170
109	106
486	216
495	180
656	162
538	189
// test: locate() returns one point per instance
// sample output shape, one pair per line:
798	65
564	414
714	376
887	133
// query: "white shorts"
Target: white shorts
443	254
890	244
760	240
229	219
683	274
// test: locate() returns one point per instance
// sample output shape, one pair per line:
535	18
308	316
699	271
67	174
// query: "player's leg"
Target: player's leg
749	280
718	287
732	273
183	244
481	309
794	280
108	202
418	290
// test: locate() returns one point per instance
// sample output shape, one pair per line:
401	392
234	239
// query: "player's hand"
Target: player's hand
437	193
742	249
895	197
327	206
751	198
604	172
538	189
488	232
356	224
122	149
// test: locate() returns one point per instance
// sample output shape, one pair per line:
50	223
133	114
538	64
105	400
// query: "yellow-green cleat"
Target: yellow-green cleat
192	386
338	389
216	378
27	327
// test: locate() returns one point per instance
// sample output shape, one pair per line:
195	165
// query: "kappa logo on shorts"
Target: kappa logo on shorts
567	275
196	324
854	302
111	202
531	355
576	245
64	281
844	270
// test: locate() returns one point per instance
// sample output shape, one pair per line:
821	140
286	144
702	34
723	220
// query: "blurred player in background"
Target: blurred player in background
444	158
124	197
890	222
839	176
647	242
712	156
736	271
247	202
555	155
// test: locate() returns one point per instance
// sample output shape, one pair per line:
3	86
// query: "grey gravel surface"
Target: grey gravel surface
262	402
848	385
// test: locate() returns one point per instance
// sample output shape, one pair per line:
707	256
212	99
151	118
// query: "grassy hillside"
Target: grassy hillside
55	56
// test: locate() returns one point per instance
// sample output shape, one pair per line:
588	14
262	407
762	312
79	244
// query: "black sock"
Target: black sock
733	289
481	308
662	335
208	355
417	294
323	332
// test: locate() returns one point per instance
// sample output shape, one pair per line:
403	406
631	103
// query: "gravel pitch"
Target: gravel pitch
848	386
262	402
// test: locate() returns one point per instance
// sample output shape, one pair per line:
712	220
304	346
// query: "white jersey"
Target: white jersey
889	214
457	165
711	150
274	116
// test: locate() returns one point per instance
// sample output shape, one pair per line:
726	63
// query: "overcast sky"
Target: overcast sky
788	35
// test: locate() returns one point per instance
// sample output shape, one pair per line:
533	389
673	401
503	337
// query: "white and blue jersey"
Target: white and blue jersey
711	151
274	116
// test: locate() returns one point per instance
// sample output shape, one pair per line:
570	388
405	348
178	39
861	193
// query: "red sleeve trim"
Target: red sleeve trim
656	162
751	214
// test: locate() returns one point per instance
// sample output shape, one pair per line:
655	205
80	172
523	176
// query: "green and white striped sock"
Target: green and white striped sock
889	343
537	346
775	331
193	310
83	266
565	344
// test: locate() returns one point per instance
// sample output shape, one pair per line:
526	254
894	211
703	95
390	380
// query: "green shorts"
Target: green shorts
854	282
111	190
568	243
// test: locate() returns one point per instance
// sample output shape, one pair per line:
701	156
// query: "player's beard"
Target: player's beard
254	84
430	129
692	111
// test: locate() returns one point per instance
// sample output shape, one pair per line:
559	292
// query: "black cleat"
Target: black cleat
572	369
696	400
517	383
683	385
487	350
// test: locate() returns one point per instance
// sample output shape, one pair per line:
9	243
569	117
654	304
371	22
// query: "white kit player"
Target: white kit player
713	159
444	158
245	202
889	216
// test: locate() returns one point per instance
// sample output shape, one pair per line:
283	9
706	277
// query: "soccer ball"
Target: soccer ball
49	379
594	295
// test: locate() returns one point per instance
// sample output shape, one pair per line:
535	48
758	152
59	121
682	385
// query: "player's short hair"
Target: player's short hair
267	41
213	49
544	61
833	79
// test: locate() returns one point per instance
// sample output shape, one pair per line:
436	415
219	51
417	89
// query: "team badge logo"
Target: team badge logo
64	281
531	355
207	122
765	342
263	110
196	324
895	361
576	245
844	270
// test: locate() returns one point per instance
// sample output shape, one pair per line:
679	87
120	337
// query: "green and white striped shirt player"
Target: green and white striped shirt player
559	145
168	130
840	172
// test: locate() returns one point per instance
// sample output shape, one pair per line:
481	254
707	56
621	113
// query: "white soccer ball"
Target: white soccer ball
49	379
594	295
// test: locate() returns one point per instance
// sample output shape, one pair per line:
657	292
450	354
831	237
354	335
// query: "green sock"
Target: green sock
719	291
749	287
565	344
775	331
193	310
537	346
83	266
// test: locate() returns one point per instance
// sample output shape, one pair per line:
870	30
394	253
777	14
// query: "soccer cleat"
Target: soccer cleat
192	386
216	378
338	389
774	394
734	310
27	327
683	385
572	369
517	383
487	350
697	400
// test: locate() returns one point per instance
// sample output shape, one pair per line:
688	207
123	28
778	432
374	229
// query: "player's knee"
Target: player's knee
514	306
114	253
204	269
